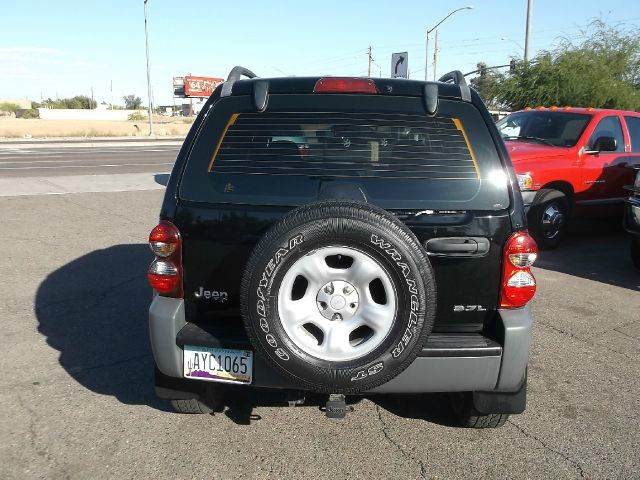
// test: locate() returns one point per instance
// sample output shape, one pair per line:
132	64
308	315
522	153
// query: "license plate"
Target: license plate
218	364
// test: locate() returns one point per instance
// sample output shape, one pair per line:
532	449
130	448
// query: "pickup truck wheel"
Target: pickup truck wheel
338	296
548	218
470	418
635	251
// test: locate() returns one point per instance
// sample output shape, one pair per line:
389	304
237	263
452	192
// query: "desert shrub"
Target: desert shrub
136	117
9	107
31	113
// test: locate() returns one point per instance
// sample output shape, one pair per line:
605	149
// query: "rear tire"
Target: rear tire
548	218
469	417
210	401
191	406
635	251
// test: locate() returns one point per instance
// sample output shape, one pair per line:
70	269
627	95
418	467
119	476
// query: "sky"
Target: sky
64	48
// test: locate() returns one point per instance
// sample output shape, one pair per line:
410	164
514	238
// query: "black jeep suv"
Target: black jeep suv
348	236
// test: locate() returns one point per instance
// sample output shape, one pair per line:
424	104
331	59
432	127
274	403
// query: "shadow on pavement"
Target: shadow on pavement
93	310
595	249
161	179
240	403
431	407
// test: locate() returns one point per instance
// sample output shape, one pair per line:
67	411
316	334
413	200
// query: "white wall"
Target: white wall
81	114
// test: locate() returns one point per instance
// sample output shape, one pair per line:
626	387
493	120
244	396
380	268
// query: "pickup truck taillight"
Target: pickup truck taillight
518	283
165	272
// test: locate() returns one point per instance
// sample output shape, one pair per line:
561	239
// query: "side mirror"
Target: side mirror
603	144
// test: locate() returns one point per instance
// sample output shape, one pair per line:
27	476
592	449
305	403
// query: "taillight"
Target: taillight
165	272
518	283
304	150
345	85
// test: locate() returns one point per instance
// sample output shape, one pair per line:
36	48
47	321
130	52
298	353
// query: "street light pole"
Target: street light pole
528	31
146	41
426	61
512	41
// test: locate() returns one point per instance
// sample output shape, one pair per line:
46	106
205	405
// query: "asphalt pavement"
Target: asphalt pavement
76	370
62	159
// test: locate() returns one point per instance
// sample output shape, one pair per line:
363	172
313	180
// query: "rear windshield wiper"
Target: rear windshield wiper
535	139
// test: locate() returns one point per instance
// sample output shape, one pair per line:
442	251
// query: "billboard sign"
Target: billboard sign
178	86
200	86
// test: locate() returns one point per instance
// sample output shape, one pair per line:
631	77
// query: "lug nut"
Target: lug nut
329	288
347	290
336	316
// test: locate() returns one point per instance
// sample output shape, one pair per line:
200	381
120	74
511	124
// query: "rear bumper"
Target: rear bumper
447	363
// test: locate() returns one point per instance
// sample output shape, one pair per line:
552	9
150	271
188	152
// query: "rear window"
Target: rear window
633	124
398	157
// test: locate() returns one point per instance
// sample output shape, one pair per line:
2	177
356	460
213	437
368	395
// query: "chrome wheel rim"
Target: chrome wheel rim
552	221
337	311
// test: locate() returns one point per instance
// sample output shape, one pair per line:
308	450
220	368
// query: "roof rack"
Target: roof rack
457	78
235	74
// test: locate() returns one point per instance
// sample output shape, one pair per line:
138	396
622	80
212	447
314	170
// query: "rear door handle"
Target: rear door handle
458	246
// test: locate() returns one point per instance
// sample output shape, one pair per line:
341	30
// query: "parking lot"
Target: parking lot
76	373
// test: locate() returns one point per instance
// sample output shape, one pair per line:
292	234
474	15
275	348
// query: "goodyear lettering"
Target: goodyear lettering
261	303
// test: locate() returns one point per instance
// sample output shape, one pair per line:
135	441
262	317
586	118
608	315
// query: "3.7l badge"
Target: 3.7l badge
469	308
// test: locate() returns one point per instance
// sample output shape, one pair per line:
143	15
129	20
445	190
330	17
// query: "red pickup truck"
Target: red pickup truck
571	161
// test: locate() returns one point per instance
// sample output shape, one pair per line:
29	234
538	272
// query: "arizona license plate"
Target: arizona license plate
218	364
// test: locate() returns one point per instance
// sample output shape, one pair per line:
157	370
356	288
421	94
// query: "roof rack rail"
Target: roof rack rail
457	78
234	75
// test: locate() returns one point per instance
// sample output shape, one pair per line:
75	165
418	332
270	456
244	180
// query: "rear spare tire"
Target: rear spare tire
338	296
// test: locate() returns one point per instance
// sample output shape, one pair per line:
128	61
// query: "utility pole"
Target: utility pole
146	41
528	31
435	57
370	60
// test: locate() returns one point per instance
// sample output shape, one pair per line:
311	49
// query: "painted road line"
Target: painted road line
26	162
16	151
125	182
107	165
90	144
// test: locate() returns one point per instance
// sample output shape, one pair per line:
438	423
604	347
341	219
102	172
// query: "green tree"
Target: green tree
603	71
79	101
132	102
486	83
